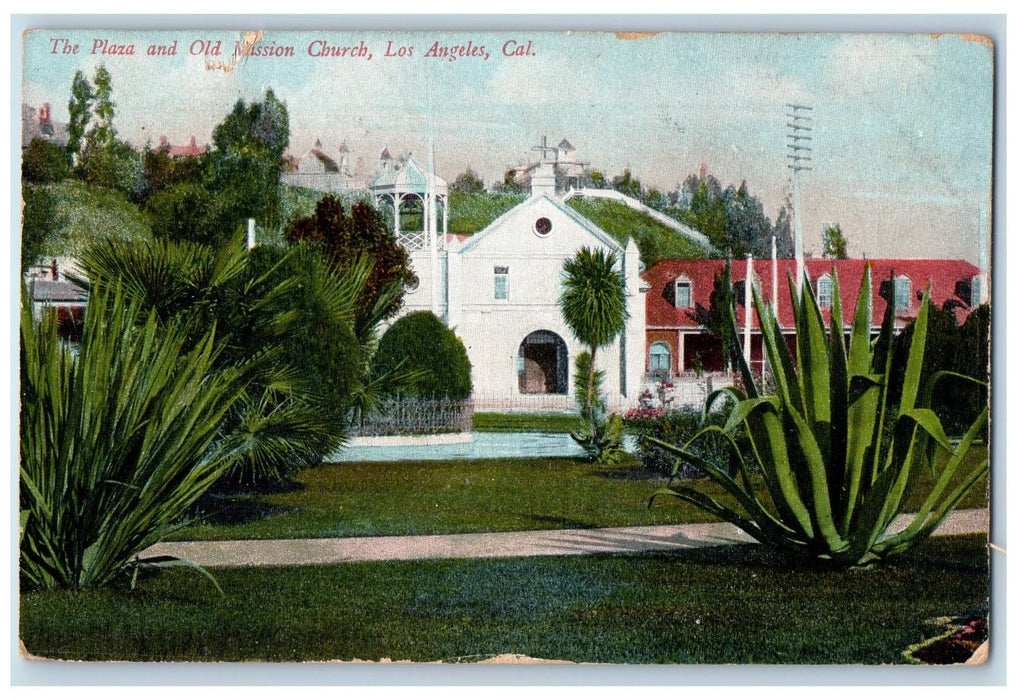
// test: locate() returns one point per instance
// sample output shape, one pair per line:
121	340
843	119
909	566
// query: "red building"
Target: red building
191	150
675	338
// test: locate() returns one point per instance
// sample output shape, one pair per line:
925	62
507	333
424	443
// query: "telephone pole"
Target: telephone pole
799	156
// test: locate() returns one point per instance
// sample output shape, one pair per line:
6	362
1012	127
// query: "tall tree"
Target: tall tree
80	108
628	185
39	220
243	168
102	134
834	243
347	236
468	182
706	213
509	185
593	302
782	230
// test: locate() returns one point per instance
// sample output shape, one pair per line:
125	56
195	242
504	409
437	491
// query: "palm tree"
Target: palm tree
288	317
593	303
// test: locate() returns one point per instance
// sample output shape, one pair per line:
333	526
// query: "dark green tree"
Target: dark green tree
655	199
509	185
747	229
80	108
627	185
468	182
39	219
162	171
951	347
102	134
419	342
834	243
44	161
183	212
782	229
707	214
286	318
715	318
242	170
597	180
345	237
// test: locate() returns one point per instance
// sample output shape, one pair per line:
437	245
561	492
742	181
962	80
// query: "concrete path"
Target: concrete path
531	543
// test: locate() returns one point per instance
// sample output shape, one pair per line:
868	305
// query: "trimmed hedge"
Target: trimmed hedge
420	341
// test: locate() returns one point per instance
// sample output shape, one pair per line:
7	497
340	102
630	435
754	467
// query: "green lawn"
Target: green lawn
713	606
432	497
523	422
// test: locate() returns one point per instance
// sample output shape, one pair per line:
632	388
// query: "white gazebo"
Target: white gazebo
401	183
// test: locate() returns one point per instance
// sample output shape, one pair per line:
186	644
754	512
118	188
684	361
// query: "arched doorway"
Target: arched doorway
543	364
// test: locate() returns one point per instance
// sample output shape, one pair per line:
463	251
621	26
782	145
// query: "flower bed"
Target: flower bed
963	637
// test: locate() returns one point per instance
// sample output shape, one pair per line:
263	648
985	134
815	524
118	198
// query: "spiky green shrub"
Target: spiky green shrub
837	463
116	439
289	317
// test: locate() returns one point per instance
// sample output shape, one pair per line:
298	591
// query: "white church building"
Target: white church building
498	291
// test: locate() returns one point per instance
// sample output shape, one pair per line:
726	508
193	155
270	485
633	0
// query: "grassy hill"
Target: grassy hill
655	241
87	212
469	213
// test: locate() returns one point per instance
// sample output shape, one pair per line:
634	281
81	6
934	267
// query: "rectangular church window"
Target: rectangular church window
501	283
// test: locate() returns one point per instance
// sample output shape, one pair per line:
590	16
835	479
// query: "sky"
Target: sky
902	122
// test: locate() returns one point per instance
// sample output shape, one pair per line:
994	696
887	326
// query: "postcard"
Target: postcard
505	347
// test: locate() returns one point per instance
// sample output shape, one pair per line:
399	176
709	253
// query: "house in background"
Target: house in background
191	150
50	290
569	171
37	124
319	171
678	344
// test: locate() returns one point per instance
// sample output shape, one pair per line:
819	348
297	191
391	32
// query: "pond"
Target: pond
483	446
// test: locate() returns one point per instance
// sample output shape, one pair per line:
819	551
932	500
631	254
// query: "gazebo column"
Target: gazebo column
395	212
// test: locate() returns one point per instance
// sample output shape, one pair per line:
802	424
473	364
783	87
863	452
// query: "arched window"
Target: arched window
660	360
901	293
824	291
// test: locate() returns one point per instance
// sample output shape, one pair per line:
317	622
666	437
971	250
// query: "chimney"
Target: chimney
44	113
194	142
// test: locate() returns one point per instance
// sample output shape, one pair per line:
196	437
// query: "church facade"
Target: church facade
498	291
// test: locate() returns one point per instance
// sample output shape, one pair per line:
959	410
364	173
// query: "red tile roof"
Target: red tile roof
946	277
190	150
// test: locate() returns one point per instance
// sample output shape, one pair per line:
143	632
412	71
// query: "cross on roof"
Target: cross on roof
544	148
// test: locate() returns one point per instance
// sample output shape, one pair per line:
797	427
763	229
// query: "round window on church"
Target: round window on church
542	226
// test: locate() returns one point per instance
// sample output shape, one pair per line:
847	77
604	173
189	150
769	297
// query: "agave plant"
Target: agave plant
117	439
839	456
598	434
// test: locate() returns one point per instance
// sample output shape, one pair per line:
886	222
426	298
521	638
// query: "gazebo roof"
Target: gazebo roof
409	178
